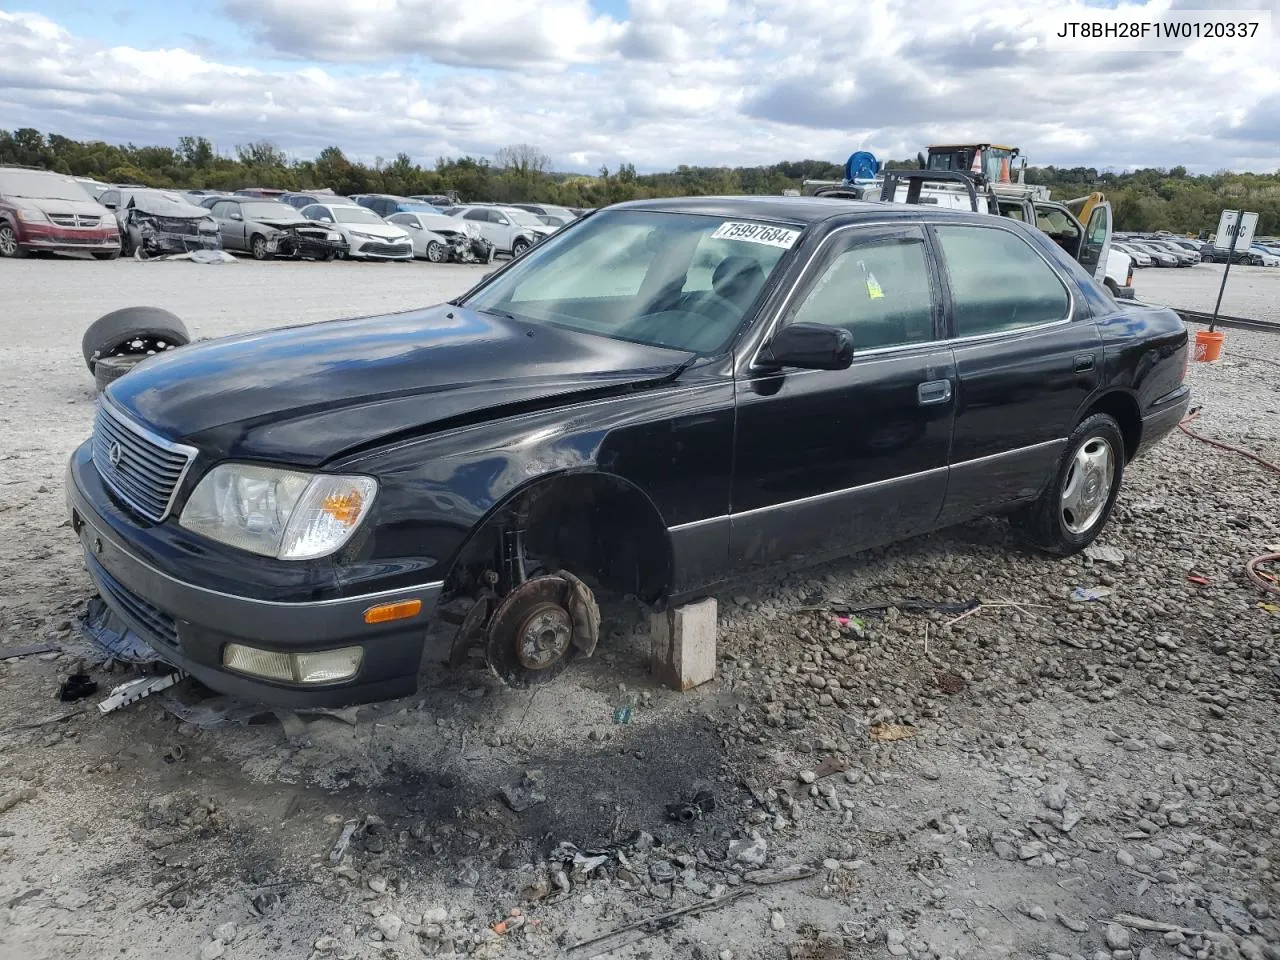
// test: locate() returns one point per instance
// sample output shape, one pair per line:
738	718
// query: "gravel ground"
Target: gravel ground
1059	764
1251	292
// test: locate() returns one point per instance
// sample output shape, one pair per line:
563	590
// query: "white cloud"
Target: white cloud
734	82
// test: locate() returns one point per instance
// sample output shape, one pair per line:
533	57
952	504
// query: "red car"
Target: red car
40	210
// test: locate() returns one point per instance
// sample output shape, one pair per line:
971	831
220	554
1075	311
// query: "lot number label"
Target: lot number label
757	233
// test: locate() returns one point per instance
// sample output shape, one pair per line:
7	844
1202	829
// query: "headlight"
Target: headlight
31	214
362	235
278	513
208	226
335	237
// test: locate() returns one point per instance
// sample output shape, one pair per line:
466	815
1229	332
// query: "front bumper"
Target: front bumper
381	249
43	236
188	625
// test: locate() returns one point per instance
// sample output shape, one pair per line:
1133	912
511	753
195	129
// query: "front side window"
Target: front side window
998	281
477	214
878	287
666	279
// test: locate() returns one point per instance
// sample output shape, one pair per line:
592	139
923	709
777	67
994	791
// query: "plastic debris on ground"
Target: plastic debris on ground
1103	554
77	687
625	710
1086	594
195	256
886	732
112	636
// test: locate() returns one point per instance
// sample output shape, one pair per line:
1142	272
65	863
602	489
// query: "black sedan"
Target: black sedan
661	396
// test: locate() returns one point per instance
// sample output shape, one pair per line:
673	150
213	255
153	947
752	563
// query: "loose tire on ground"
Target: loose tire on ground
152	328
1074	507
109	369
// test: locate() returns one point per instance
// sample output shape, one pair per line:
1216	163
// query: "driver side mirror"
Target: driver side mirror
809	346
236	216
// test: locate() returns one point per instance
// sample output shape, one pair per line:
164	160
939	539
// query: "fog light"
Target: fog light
315	666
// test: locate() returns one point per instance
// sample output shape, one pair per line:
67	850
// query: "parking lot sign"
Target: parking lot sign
1235	230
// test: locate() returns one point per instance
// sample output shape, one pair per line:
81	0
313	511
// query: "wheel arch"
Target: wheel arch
595	524
1123	407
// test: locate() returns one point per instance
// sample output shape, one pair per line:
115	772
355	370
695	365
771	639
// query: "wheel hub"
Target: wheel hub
544	636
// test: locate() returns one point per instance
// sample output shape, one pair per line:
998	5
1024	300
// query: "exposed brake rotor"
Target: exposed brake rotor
529	638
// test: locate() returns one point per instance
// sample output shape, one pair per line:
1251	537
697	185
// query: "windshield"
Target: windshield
268	211
663	279
523	217
416	207
39	185
355	215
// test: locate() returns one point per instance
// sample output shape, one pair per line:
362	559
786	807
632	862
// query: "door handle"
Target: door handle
934	391
1084	363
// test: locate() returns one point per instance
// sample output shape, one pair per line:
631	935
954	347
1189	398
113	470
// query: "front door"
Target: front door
1028	357
833	461
1097	242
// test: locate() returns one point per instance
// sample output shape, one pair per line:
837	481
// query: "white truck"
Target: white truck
977	177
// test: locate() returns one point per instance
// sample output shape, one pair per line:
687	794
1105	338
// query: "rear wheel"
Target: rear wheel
1074	507
9	246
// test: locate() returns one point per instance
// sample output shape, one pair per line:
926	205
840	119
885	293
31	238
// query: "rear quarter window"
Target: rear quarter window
999	282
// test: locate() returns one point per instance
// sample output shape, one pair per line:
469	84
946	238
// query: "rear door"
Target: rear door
833	461
1027	355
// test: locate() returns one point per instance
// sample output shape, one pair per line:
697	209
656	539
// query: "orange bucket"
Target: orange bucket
1208	346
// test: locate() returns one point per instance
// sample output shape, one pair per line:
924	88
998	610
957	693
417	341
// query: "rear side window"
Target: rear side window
998	282
876	287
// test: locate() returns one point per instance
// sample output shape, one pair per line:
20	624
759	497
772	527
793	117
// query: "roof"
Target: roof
802	210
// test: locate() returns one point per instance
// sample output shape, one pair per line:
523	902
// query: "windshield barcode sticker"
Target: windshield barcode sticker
757	233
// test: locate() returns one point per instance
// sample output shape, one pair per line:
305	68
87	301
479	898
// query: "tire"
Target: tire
436	252
258	247
157	329
1074	507
109	255
519	247
9	246
110	369
1111	288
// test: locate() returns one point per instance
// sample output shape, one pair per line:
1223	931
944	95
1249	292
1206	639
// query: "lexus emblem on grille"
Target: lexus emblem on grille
115	453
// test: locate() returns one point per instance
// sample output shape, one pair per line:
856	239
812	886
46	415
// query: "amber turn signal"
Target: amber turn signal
401	610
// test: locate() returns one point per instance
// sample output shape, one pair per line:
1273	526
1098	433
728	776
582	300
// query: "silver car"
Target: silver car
511	230
432	233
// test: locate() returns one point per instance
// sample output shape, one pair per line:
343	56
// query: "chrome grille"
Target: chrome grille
142	469
73	220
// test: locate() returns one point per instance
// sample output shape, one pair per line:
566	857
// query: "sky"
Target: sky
656	83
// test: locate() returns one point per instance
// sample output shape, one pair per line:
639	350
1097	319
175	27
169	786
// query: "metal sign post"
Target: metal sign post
1235	225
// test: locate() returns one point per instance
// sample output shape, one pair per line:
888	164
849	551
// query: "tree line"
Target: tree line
1148	199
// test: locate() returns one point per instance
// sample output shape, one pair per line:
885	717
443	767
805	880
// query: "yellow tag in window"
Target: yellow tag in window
873	287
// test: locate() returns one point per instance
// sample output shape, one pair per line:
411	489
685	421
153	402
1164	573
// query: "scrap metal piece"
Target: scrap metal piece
135	690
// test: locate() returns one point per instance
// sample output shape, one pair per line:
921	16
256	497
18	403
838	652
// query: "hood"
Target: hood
304	395
388	230
158	205
85	207
282	223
